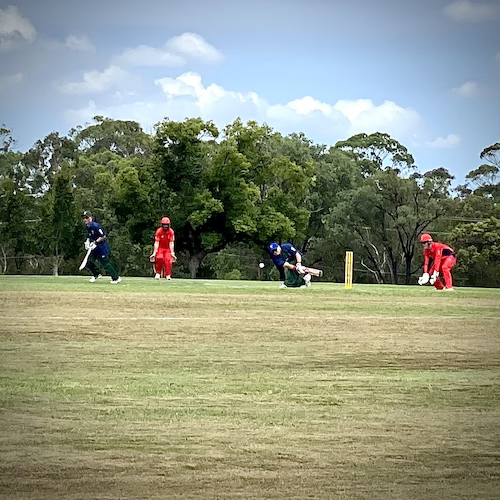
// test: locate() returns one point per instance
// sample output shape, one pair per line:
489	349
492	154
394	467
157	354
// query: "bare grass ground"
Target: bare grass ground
194	389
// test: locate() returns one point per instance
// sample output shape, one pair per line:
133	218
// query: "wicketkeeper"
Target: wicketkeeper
290	264
163	252
96	240
441	258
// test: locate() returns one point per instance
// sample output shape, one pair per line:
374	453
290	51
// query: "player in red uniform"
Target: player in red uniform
163	252
438	260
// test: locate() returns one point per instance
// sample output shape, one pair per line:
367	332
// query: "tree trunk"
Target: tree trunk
4	259
194	263
408	261
56	263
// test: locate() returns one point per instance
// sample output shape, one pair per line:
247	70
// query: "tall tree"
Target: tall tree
123	137
242	188
61	225
281	168
14	203
387	206
45	159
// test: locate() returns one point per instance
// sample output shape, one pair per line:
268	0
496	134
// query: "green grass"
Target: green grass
231	389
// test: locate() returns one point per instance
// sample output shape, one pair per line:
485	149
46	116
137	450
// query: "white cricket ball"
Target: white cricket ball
261	265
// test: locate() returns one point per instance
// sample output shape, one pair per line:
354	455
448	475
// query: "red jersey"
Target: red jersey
164	237
435	252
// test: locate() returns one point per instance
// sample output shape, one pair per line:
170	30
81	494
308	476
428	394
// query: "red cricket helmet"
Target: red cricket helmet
425	237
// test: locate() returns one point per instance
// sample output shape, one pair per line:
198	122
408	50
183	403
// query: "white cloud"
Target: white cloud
80	43
468	89
365	116
448	142
187	96
189	84
95	81
143	55
14	29
194	46
9	80
174	53
463	10
308	104
141	111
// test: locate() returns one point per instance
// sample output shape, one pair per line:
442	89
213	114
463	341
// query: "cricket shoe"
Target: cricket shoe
157	276
307	279
168	277
282	286
94	278
117	280
451	289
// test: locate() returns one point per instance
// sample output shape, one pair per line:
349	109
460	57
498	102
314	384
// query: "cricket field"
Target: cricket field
197	389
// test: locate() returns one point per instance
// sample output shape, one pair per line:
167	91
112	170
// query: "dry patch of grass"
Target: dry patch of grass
249	392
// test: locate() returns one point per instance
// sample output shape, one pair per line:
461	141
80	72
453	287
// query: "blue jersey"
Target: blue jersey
95	231
287	254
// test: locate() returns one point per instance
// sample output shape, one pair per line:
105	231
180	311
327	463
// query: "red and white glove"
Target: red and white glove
424	279
434	277
300	268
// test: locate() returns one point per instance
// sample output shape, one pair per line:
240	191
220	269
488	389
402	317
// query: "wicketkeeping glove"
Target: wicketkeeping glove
434	277
424	279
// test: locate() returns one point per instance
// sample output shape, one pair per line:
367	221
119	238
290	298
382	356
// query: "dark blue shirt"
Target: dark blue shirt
287	254
95	231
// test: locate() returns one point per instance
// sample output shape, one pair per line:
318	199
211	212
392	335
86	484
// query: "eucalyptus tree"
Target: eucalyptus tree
45	158
122	137
386	204
476	236
16	206
60	228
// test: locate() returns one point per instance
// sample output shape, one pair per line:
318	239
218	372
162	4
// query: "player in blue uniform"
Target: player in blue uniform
96	239
289	262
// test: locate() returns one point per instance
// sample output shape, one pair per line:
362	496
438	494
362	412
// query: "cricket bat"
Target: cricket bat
85	259
314	272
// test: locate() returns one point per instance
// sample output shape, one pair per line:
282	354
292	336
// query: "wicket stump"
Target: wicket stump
348	270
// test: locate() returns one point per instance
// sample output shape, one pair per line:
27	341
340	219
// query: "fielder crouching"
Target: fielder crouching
438	261
290	264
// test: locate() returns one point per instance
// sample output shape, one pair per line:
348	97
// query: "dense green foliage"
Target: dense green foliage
228	192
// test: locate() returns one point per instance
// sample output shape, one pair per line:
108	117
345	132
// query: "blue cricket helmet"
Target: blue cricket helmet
272	246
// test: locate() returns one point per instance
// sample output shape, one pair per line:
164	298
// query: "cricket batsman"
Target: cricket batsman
163	252
289	262
96	241
438	261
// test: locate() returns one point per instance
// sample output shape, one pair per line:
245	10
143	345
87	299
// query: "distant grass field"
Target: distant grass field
231	389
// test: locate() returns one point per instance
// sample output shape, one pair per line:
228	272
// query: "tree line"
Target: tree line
229	192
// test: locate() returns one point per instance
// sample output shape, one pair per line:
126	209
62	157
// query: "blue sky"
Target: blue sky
426	72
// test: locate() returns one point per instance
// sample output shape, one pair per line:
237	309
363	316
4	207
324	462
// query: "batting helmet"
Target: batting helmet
272	246
425	237
165	220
